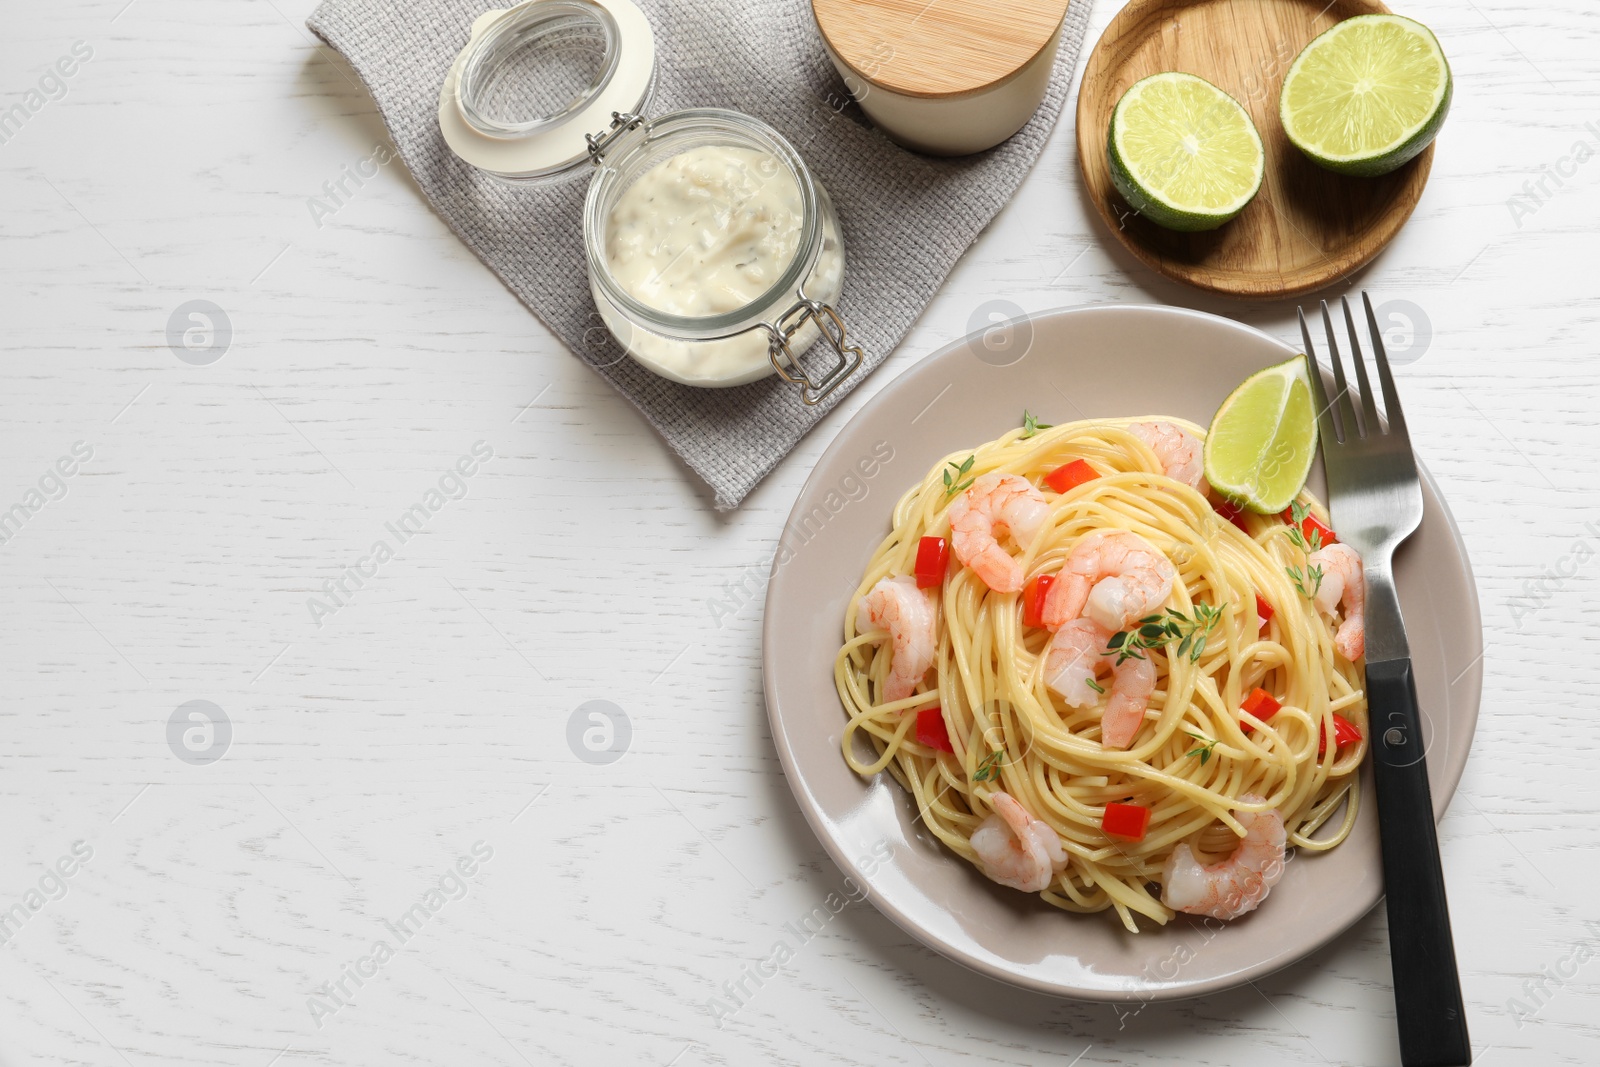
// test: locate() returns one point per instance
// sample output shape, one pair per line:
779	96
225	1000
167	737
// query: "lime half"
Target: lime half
1183	153
1263	438
1367	95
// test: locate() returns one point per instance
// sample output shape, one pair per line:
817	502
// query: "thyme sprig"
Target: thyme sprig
1157	631
1309	576
1031	424
1204	748
954	485
1297	532
1312	576
989	769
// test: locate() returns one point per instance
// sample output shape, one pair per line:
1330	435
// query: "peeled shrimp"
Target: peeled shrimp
1182	457
1077	653
1133	680
996	501
1015	849
1114	577
1344	581
897	607
1075	656
1239	883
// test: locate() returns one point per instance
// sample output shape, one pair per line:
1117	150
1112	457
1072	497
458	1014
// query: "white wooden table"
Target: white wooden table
225	912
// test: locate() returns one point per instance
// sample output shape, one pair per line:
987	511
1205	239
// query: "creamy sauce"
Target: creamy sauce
704	233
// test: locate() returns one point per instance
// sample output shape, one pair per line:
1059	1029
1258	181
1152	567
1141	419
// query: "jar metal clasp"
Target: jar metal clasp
847	358
621	123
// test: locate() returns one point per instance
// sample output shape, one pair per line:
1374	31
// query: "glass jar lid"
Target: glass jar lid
536	82
543	90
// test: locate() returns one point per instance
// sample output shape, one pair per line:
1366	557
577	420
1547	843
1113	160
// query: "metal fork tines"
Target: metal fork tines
1373	487
1375	501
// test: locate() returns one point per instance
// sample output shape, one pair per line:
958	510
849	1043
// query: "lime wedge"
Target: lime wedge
1367	95
1263	438
1183	153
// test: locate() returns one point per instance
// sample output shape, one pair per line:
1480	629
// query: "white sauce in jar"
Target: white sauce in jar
708	232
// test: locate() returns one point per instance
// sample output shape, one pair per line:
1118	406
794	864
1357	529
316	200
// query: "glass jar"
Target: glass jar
551	89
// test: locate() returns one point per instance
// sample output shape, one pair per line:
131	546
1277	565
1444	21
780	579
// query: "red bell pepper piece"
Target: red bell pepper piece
931	729
1233	513
1344	732
1311	525
1127	821
1264	610
933	557
1033	600
1068	477
1261	704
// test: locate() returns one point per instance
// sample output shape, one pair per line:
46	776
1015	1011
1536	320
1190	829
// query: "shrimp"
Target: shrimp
1015	849
1344	581
1075	656
1239	883
1077	653
1114	577
1133	680
898	607
995	501
1182	457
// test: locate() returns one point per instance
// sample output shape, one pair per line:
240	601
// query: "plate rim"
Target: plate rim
810	808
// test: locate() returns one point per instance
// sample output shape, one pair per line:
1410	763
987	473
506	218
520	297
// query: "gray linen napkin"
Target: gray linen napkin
906	218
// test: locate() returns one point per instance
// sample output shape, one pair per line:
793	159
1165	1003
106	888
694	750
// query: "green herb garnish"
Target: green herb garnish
1297	533
954	485
989	769
1031	425
1155	631
1203	749
1096	686
1311	576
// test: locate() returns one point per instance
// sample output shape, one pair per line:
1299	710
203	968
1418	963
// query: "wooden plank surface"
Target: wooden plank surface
430	712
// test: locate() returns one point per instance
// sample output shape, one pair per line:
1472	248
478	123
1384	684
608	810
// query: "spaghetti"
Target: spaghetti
1201	769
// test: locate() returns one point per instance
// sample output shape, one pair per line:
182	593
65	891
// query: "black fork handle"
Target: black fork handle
1427	989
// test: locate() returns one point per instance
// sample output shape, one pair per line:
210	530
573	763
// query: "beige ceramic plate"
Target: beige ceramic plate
1079	363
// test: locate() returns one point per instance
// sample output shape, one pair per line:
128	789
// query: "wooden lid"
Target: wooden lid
938	47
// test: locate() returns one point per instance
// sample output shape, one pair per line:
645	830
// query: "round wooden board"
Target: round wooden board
1308	227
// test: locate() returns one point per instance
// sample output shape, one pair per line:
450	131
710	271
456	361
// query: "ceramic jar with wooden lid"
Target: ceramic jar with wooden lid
949	77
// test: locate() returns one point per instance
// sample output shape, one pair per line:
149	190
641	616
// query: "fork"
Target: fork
1375	498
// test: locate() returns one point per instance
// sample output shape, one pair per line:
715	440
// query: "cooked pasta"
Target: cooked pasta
1201	769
